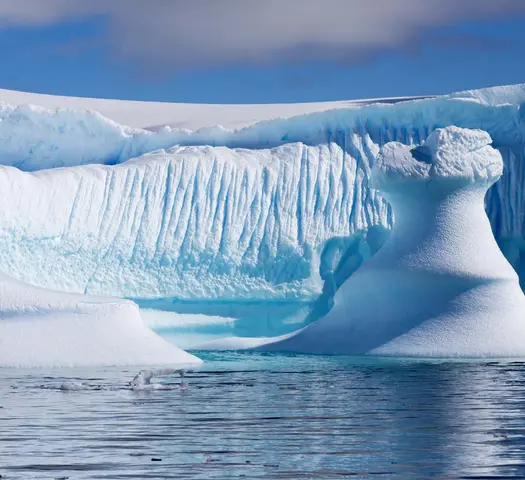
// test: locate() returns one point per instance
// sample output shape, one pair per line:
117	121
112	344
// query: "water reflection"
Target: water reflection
269	416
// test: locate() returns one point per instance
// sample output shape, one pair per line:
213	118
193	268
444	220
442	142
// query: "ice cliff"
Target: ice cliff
189	222
276	212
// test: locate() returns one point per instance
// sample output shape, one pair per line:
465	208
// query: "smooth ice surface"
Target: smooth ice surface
44	328
440	285
166	321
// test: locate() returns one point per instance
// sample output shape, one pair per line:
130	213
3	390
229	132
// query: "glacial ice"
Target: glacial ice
188	223
44	328
261	224
286	222
439	286
34	138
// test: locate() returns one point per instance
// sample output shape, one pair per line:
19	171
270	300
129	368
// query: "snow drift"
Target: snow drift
41	327
439	286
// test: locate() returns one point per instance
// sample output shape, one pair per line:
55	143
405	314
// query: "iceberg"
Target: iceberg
44	328
439	286
260	224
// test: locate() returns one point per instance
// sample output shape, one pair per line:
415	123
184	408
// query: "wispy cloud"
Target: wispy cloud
204	33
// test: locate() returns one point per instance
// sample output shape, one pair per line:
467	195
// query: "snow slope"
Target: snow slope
277	211
439	286
44	328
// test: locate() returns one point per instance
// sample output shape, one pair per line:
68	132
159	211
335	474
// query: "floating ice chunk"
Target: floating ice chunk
142	381
76	386
440	285
71	386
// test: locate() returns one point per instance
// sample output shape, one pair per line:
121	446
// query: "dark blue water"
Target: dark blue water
271	417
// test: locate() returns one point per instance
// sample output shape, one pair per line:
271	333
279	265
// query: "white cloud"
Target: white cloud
201	33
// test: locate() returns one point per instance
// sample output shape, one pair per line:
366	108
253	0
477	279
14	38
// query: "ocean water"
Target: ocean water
259	416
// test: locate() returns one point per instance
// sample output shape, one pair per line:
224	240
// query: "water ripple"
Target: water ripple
271	417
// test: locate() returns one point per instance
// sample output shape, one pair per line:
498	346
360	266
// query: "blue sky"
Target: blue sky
164	51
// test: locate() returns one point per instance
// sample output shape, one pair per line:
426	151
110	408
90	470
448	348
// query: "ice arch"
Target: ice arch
440	286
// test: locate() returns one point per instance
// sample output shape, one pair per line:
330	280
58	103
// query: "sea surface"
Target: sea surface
256	416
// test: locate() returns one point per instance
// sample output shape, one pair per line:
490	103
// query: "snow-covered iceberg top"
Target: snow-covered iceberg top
450	153
34	138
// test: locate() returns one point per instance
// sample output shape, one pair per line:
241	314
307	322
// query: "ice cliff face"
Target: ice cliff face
280	210
190	222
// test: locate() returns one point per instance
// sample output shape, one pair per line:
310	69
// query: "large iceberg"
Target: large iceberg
440	286
260	224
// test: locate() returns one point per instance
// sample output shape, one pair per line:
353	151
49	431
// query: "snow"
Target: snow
500	95
440	286
44	328
452	153
192	116
269	213
34	138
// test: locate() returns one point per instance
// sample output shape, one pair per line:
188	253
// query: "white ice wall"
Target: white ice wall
247	220
191	222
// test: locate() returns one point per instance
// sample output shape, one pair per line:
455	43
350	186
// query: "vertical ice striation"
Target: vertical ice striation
192	222
440	285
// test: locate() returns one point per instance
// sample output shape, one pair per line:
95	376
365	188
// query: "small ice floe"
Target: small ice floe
71	386
142	381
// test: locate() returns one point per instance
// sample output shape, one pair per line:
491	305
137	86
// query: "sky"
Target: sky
259	51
